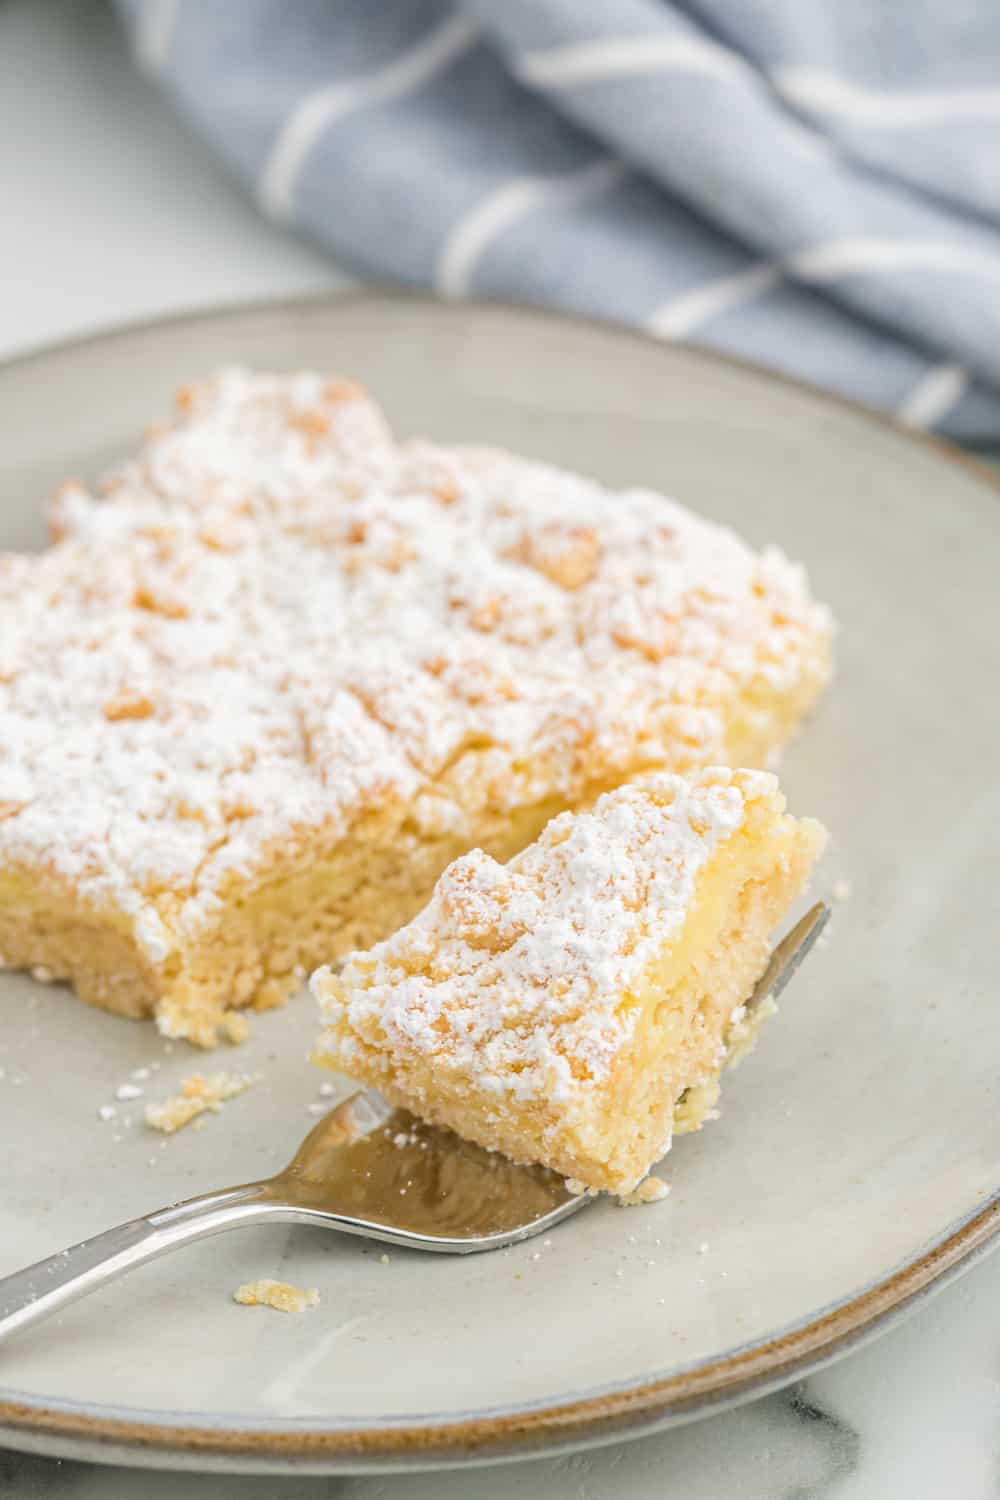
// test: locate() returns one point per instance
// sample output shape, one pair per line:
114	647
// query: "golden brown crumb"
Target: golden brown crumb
650	1190
278	1294
567	555
235	1027
128	705
341	389
159	604
311	423
198	1094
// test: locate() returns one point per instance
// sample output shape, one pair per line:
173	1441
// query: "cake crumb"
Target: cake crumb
106	1112
326	1090
384	1260
650	1190
235	1027
842	890
199	1093
277	1294
126	1091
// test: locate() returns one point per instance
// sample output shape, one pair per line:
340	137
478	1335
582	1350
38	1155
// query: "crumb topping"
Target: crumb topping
519	975
276	620
199	1094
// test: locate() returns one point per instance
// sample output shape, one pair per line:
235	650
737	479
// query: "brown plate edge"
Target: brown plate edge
533	1431
528	1432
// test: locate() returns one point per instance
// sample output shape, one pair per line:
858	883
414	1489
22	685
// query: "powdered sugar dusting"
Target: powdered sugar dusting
276	619
517	975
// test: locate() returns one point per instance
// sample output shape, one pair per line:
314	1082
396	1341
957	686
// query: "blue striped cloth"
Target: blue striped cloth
812	185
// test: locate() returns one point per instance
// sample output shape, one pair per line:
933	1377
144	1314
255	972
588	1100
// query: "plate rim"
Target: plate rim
124	1434
529	1430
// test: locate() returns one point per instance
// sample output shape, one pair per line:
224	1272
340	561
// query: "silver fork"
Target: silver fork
365	1169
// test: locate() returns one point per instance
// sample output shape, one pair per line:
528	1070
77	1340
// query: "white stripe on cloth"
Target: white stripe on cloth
859	257
318	111
156	23
935	394
825	93
507	205
681	315
808	88
638	57
627	57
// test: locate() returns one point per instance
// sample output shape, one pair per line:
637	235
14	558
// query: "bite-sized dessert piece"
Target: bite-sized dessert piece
561	1008
285	670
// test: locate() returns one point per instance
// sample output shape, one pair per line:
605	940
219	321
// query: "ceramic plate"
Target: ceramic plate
857	1159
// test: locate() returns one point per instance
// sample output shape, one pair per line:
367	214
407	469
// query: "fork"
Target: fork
364	1169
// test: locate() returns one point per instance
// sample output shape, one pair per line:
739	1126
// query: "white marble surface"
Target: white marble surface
111	212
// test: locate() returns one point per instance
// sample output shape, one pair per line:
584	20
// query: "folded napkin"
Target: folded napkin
811	185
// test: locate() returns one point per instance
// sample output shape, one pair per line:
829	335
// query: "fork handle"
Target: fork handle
41	1289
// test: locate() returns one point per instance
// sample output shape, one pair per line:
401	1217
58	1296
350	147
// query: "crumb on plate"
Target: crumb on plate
650	1190
199	1093
278	1294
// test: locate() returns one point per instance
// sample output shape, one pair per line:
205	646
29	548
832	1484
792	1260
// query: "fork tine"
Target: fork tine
789	954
